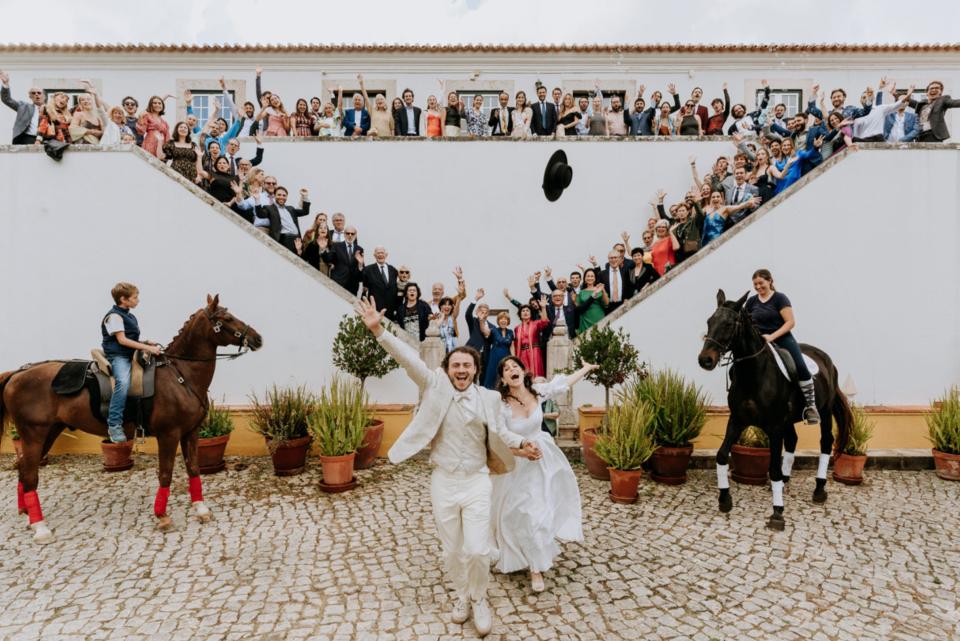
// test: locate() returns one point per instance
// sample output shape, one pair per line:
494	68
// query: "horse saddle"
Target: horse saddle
96	377
787	367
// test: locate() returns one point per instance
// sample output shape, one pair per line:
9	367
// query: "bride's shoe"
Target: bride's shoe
536	582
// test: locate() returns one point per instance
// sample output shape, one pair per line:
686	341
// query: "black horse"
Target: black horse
760	395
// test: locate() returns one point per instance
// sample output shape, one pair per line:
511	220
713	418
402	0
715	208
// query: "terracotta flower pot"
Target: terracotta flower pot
623	485
595	466
290	457
116	456
751	465
947	465
210	453
337	471
669	464
848	469
367	453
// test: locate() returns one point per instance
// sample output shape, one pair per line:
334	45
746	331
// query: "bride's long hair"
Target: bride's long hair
504	389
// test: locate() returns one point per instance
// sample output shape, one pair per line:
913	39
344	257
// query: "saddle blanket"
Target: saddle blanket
811	364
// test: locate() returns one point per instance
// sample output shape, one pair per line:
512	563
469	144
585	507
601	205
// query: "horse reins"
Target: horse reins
726	351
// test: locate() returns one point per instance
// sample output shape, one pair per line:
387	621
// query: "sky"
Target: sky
485	21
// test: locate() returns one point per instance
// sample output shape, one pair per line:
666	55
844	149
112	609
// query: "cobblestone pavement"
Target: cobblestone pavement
282	560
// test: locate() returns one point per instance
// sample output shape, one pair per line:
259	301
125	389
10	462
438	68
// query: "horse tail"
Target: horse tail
844	417
4	379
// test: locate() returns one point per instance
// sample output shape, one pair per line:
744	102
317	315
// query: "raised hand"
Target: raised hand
625	237
368	313
187	96
506	293
223	83
259	70
724	86
548	272
815	90
480	294
531	281
764	83
258	138
4	78
661	194
672	88
458	273
592	259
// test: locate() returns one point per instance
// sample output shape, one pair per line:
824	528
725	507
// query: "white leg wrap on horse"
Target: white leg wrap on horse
777	487
822	467
41	533
723	482
201	508
787	466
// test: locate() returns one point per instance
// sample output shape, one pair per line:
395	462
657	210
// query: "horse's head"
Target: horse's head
722	329
228	329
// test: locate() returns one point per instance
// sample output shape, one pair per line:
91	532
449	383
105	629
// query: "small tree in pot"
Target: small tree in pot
625	445
680	412
339	424
282	420
357	352
213	437
849	464
943	422
617	360
750	456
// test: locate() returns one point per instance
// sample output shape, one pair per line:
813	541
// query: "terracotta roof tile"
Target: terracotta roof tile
953	47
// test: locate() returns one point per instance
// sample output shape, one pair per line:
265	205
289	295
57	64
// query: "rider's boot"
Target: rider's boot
810	414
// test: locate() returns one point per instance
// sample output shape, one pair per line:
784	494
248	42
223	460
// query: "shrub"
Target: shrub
943	422
679	407
216	423
627	441
339	420
859	433
282	415
753	437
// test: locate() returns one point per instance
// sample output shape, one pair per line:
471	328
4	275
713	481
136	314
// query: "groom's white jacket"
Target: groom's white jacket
438	396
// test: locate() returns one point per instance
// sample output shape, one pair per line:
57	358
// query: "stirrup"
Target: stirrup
811	416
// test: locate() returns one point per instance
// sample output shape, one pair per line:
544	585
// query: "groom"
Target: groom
468	438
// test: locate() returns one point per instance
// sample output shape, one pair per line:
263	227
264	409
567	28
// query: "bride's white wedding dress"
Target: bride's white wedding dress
539	501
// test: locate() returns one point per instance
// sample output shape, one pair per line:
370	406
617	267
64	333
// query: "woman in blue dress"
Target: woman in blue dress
501	346
716	213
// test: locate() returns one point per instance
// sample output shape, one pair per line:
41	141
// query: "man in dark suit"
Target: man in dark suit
501	118
380	281
346	261
284	227
356	121
742	192
407	120
937	104
616	280
233	148
544	122
560	308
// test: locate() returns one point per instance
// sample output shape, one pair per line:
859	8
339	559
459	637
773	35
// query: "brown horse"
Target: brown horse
183	376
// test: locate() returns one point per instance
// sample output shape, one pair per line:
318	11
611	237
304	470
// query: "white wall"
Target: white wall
867	253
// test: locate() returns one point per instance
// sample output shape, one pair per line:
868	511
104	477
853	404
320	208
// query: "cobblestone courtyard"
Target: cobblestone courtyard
282	560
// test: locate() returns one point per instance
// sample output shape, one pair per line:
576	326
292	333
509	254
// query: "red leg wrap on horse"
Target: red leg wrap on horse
196	489
21	506
32	503
160	503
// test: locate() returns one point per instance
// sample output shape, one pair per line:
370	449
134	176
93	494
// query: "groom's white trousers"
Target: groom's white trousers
461	508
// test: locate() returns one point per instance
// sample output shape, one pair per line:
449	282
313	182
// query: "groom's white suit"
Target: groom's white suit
468	438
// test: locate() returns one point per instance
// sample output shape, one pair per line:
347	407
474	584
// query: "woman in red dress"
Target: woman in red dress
154	129
526	343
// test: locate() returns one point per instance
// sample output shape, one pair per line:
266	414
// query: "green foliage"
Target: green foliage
216	423
943	422
679	407
14	434
340	418
357	352
860	432
626	442
282	415
616	358
753	437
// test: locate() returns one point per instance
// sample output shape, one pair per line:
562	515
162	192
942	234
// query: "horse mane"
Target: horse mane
189	322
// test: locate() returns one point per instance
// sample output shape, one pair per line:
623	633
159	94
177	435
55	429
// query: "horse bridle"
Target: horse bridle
727	350
242	348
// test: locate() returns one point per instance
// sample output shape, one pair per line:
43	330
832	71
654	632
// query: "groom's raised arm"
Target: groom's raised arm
406	356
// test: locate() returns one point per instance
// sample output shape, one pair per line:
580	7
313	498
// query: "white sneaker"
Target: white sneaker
482	617
536	582
461	610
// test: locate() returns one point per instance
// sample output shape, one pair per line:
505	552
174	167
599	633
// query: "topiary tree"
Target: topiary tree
616	358
357	352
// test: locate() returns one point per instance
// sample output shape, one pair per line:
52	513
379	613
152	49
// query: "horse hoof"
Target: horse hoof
726	504
819	496
776	522
165	524
786	479
202	512
41	533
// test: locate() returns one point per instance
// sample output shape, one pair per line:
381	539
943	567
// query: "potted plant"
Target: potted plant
751	457
617	360
848	465
117	457
213	437
357	352
339	423
680	412
943	422
625	445
282	420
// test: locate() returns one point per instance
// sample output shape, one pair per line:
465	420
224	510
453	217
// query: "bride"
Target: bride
539	501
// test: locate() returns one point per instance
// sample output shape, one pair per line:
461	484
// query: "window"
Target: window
73	94
791	98
918	94
607	95
204	102
491	99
